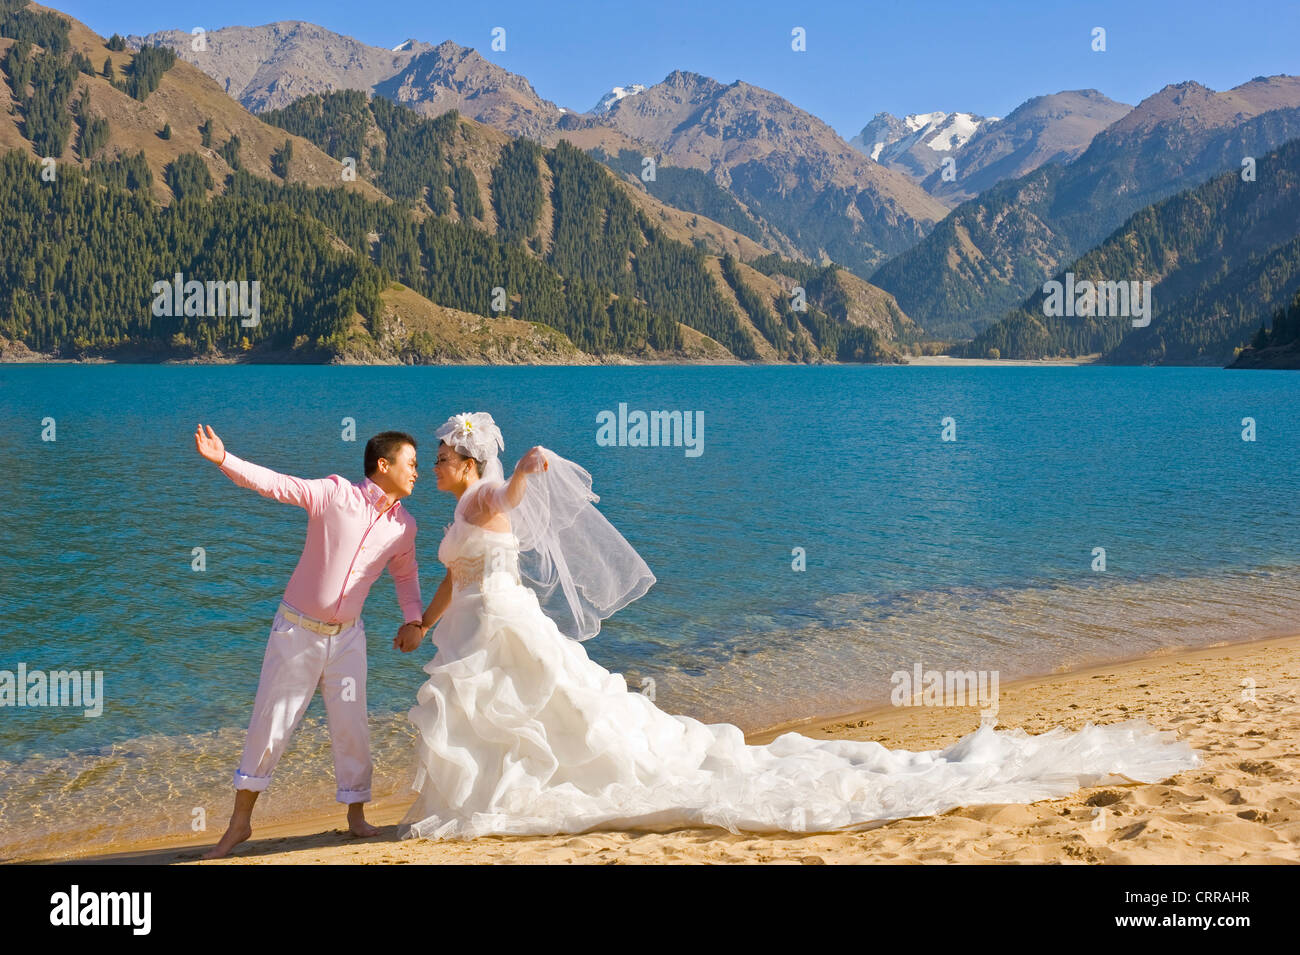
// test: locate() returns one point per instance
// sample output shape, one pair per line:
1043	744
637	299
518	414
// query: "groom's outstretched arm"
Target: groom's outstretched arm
312	495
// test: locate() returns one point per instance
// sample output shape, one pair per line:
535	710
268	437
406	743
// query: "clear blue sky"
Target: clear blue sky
863	57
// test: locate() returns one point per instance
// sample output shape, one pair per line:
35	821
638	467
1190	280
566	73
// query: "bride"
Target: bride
521	733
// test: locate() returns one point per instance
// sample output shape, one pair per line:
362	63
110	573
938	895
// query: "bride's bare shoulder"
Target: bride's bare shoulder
489	522
498	522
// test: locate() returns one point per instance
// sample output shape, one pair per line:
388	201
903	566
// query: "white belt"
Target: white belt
311	623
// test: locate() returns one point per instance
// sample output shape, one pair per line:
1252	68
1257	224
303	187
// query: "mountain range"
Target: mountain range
987	255
945	223
784	164
956	156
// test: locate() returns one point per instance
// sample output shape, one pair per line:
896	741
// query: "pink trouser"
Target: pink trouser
297	660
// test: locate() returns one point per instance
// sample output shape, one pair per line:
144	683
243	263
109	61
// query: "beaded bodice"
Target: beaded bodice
477	557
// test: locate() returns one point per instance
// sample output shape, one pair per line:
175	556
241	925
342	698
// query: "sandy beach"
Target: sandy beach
1237	704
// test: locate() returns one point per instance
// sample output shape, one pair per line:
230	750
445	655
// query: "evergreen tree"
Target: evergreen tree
469	202
1260	340
187	175
280	159
88	277
42	83
46	29
129	172
517	190
230	152
147	69
93	133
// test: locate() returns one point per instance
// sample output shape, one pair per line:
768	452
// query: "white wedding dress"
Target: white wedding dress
521	733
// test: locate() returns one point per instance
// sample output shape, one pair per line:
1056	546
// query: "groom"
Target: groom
354	531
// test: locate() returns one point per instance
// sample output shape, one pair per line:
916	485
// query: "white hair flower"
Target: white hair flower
472	434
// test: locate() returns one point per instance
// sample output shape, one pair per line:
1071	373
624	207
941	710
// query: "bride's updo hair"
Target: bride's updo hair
479	465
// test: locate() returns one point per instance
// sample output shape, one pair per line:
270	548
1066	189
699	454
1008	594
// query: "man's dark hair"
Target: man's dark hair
385	445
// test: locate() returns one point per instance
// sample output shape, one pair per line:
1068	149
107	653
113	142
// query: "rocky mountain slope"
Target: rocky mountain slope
1045	129
270	66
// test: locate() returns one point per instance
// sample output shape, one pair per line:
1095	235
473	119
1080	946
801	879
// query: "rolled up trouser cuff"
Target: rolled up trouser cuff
255	783
353	795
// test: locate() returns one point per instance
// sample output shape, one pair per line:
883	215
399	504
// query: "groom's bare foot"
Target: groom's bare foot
238	831
357	822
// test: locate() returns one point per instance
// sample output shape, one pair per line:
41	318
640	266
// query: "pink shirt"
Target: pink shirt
350	540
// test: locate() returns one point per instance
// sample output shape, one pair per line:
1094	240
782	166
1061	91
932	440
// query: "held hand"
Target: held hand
209	445
533	461
409	637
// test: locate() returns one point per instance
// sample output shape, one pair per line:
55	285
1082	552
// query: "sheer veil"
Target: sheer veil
581	568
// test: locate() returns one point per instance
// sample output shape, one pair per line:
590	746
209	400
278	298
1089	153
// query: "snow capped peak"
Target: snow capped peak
939	131
917	121
917	142
404	46
613	96
954	132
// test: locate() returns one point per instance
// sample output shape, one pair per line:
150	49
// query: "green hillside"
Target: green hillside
1220	257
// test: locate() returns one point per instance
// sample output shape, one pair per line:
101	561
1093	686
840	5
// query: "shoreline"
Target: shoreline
948	361
15	353
1205	706
925	361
